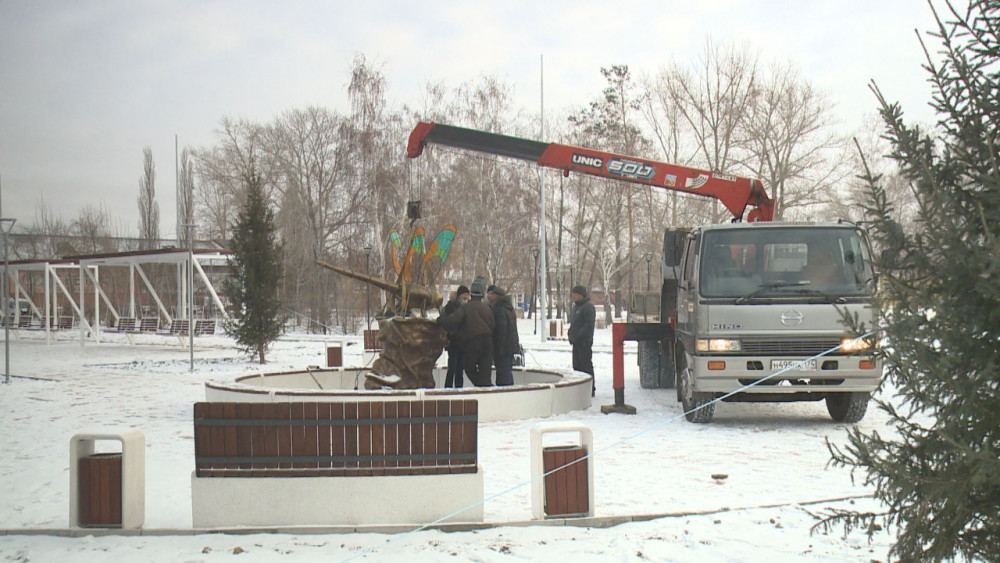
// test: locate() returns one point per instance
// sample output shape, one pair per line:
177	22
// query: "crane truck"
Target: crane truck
752	310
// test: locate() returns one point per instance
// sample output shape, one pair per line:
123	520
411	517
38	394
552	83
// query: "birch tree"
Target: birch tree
185	201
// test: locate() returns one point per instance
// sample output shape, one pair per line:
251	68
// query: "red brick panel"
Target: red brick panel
261	438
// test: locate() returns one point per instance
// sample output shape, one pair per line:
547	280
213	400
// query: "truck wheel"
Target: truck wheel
698	407
649	365
847	407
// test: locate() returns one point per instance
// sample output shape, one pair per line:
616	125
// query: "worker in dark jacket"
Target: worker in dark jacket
505	341
454	377
581	331
473	325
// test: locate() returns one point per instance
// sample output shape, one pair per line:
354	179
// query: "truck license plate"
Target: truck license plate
795	365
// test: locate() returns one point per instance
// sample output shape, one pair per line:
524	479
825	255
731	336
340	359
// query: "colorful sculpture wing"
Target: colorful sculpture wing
396	242
416	248
438	249
418	241
441	245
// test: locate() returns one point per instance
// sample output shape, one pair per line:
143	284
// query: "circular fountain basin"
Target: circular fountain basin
535	393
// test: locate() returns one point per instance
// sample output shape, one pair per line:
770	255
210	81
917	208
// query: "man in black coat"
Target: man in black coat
581	331
473	325
454	377
505	340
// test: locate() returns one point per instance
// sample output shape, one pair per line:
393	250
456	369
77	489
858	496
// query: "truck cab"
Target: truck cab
760	311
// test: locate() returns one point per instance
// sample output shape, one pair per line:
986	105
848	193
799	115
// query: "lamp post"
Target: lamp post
645	299
368	287
7	225
534	287
572	284
190	230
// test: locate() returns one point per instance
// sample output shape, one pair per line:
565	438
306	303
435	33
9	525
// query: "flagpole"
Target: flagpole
544	332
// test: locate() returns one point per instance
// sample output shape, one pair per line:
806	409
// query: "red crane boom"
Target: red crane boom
736	193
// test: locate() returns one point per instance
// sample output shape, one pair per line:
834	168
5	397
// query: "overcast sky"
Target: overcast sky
84	86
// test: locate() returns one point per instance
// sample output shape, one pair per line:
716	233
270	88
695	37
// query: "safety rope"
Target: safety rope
602	450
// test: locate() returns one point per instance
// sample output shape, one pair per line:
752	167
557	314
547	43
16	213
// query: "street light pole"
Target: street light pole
190	230
572	284
645	300
368	287
534	288
6	225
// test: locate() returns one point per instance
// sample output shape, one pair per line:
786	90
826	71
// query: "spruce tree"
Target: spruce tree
936	468
255	263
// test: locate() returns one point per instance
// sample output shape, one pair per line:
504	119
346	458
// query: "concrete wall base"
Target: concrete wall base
334	501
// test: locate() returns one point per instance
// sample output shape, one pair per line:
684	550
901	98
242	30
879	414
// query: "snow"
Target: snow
653	466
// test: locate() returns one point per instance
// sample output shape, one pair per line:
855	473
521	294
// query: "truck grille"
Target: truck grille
797	347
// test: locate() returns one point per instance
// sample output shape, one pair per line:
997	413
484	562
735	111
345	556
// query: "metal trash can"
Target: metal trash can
567	492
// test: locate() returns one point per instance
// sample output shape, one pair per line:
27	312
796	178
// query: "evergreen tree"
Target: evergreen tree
255	262
936	469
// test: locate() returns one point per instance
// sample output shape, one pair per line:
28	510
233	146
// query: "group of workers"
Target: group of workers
483	334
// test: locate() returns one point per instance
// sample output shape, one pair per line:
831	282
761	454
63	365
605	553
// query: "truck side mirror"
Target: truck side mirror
673	246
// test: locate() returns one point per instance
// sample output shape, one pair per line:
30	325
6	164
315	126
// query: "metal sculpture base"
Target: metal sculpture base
410	348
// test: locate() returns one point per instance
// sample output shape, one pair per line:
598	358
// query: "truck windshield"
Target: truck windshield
784	262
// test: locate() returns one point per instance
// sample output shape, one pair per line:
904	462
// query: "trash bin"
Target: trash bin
107	489
100	486
371	340
334	356
566	492
555	328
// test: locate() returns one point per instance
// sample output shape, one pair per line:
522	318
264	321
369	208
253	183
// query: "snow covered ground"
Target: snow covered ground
774	456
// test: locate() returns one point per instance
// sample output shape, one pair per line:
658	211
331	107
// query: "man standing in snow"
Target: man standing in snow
454	377
581	332
472	324
505	340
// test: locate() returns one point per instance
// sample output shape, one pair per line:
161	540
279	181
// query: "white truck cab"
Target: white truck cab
760	311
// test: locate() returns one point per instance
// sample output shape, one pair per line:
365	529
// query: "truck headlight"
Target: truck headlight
851	345
718	345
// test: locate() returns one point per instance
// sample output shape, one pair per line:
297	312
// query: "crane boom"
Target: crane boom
734	192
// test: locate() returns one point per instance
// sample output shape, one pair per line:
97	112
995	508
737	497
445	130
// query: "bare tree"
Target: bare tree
714	100
316	181
875	150
610	124
500	195
671	139
227	166
375	137
95	231
149	210
790	143
44	237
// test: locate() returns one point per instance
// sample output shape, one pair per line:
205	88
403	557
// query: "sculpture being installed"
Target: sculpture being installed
411	343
